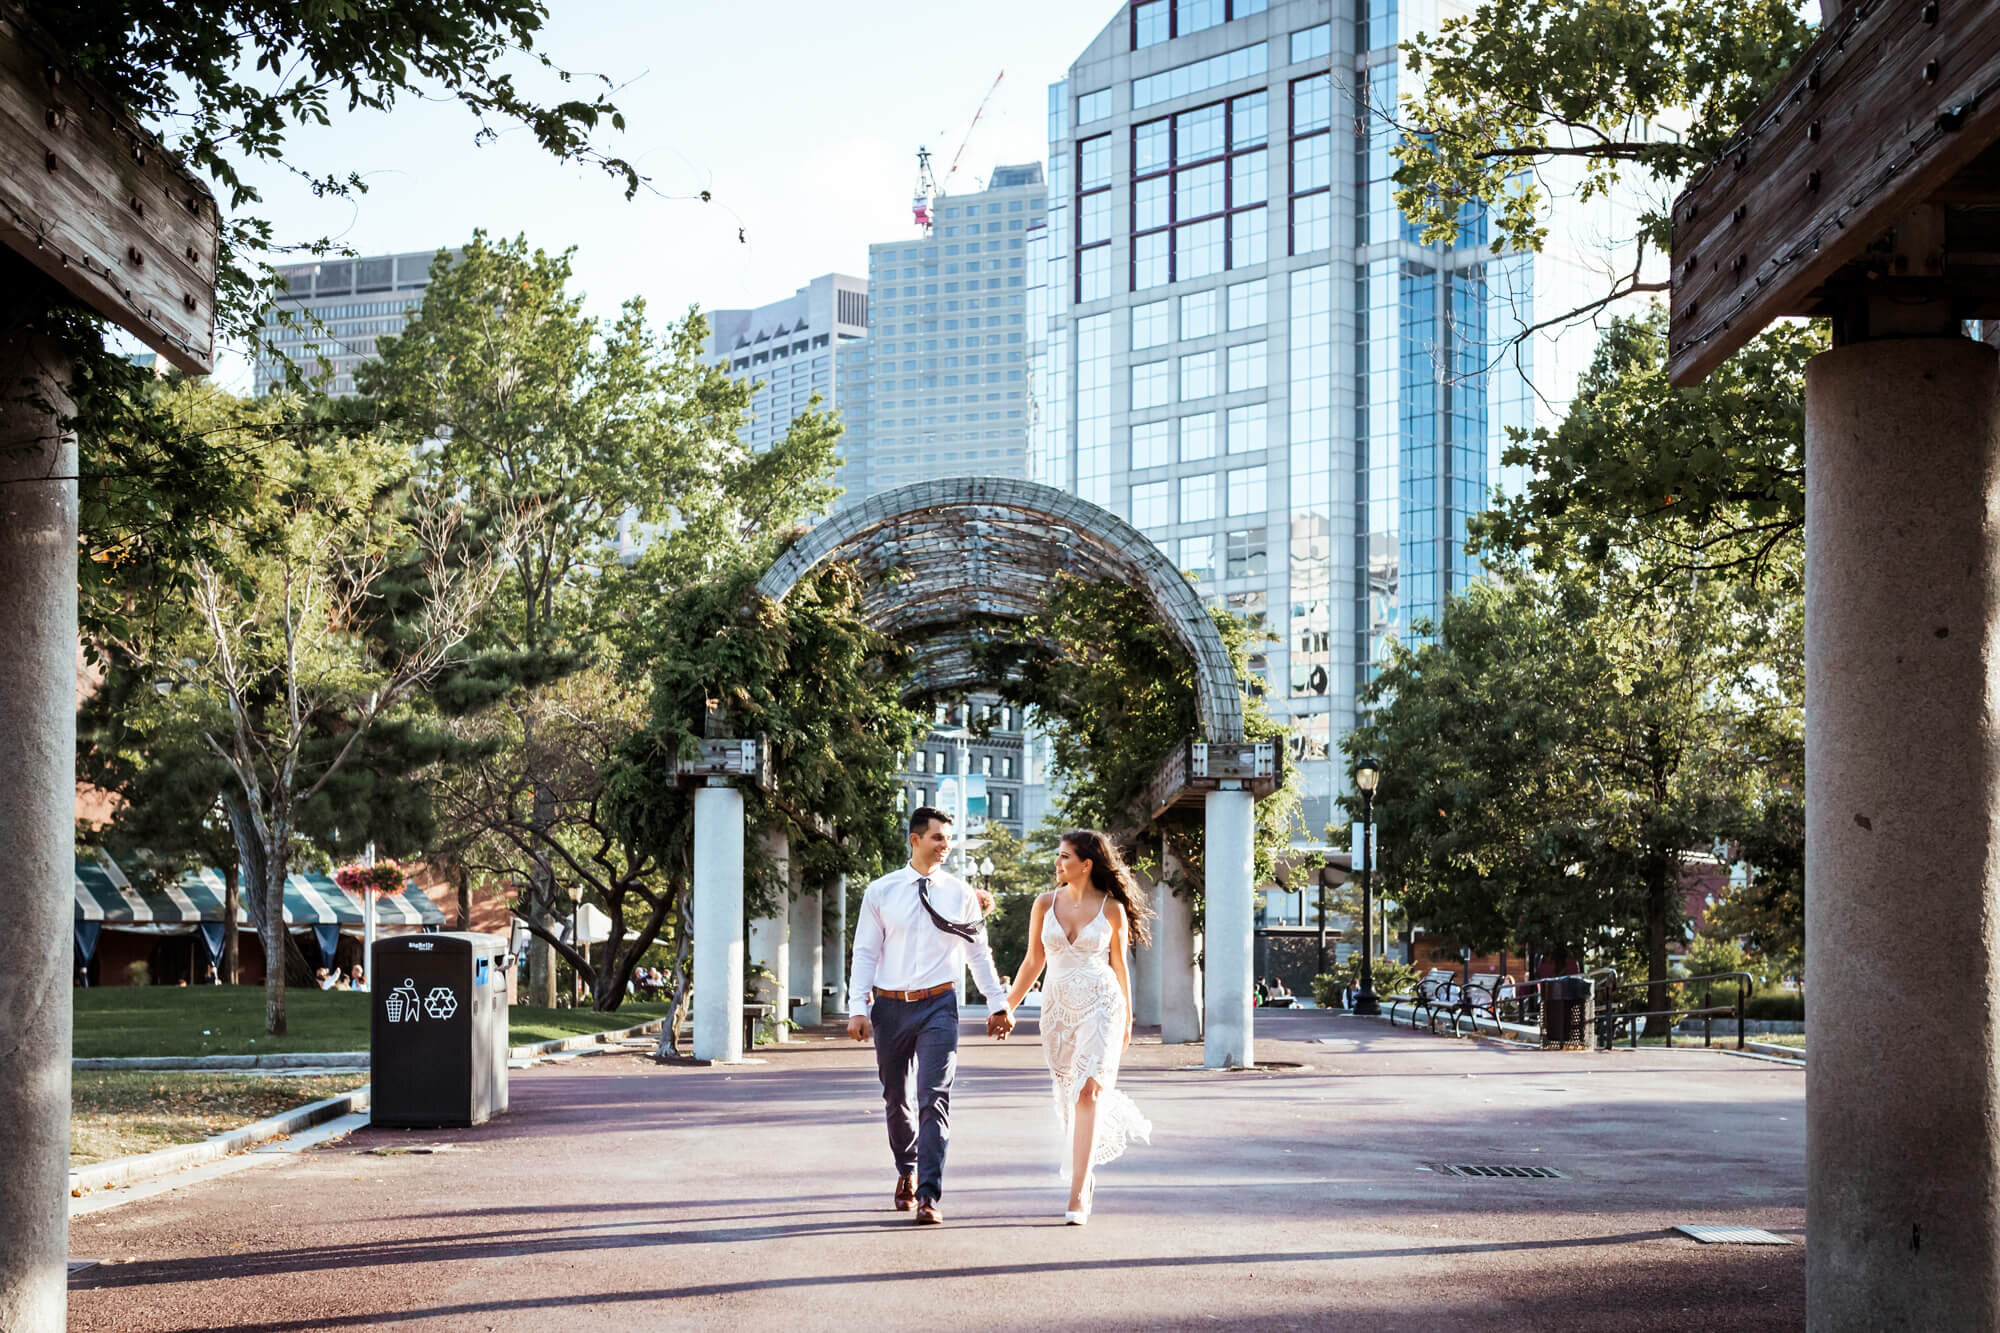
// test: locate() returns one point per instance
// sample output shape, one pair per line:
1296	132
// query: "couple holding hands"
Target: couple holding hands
919	927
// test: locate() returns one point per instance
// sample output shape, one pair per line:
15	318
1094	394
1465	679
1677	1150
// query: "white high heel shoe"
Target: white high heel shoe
1077	1217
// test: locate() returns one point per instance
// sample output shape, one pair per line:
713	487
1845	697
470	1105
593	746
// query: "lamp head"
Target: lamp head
985	865
1367	776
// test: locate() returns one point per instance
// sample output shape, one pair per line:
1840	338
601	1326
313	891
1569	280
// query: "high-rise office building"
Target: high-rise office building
946	388
809	343
1250	354
337	309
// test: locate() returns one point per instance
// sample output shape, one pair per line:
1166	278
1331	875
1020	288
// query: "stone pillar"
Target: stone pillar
1174	950
833	947
770	946
1902	823
718	922
38	664
1228	853
806	962
1145	968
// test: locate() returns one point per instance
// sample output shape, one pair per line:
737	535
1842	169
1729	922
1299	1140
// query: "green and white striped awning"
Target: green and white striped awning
105	894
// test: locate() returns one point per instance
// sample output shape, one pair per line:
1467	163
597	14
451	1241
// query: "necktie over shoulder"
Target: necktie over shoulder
966	931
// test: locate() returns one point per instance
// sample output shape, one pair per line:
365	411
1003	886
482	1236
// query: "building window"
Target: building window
1246	429
1248	487
1198	314
1149	325
1093	107
1247	305
1093	212
1149	505
1151	23
1246	367
1246	553
1312	164
1197	499
986	764
1312	43
1198	557
1149	385
1149	445
1198	376
1201	178
1007	803
1197	437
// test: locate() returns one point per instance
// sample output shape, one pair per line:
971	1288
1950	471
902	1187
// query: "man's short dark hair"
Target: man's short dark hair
924	816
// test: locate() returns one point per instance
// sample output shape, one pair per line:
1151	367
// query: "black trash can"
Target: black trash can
1569	1020
438	1029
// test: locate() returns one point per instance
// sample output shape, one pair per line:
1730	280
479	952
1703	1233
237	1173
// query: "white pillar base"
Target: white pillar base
833	948
1174	951
1229	855
770	946
807	960
718	924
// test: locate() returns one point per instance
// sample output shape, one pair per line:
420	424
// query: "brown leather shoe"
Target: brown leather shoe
927	1213
906	1193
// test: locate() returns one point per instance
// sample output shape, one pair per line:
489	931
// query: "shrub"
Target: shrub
1391	978
138	974
1785	1006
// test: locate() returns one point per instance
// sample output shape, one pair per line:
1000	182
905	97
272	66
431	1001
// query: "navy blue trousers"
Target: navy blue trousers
916	1053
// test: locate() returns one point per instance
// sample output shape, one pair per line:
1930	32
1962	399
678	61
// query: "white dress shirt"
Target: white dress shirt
898	947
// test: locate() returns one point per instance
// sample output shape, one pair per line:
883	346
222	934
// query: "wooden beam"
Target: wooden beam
91	199
1886	107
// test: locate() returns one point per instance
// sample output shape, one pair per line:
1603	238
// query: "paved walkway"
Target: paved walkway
617	1194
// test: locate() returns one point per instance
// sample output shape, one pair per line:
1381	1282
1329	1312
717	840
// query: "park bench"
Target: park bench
1437	990
1486	993
752	1015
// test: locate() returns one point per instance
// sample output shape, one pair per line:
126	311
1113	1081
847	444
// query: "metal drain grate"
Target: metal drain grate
1504	1172
1717	1235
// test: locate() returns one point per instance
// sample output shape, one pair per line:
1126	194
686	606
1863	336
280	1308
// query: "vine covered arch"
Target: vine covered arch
941	557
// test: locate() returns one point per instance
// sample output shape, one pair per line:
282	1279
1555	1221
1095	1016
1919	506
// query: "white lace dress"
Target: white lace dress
1083	1024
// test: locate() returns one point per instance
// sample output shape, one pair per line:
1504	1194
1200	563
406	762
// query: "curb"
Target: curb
130	1170
581	1041
334	1059
276	1060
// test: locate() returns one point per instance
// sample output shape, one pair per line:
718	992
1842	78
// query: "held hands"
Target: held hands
1000	1024
859	1028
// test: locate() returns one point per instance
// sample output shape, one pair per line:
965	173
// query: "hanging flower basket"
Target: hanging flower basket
378	879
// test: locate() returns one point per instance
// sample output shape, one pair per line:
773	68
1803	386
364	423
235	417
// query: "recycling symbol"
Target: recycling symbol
441	1003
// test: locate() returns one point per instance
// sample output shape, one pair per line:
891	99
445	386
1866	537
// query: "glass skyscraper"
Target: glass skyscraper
1247	351
337	309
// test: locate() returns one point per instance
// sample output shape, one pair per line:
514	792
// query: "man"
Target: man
911	943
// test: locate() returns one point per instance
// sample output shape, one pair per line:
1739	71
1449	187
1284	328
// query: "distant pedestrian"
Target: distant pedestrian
359	979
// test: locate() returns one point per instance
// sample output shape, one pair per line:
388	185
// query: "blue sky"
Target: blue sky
803	120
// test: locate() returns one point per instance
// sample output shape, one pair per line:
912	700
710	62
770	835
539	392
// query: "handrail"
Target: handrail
1743	983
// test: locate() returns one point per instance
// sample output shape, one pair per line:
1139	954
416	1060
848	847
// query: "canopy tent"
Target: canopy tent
592	925
106	898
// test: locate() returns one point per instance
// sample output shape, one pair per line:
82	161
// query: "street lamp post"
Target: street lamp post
1365	778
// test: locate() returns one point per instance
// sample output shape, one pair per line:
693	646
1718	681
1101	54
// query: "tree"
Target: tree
1632	94
1708	479
268	653
1023	870
1551	759
595	428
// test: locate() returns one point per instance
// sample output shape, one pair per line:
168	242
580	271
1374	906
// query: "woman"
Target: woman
1080	931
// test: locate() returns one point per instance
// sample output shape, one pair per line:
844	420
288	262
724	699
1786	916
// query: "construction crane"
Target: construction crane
928	186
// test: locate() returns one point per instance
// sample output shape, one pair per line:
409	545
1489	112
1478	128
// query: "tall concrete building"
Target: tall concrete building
340	307
806	344
1248	352
946	388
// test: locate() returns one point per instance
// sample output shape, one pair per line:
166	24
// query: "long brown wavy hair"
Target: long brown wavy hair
1109	874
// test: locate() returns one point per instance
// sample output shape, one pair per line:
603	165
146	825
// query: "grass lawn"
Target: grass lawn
120	1114
229	1020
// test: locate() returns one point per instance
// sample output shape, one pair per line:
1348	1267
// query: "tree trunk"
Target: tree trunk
232	897
670	1027
462	878
1657	987
271	931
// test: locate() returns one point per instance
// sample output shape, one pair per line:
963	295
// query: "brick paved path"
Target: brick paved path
620	1195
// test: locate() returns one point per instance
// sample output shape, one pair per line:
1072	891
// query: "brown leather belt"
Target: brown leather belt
906	995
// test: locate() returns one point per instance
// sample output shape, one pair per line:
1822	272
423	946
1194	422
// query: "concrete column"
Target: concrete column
38	664
807	960
833	946
718	923
1228	854
1903	836
1174	949
770	940
1145	967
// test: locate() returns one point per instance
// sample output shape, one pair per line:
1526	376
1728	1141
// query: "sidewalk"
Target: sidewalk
621	1194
